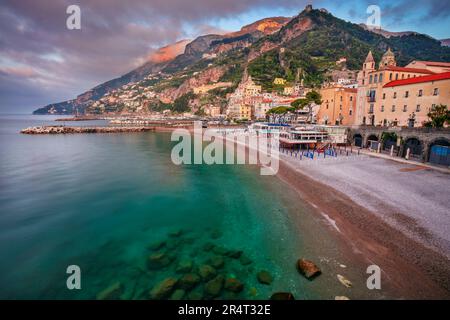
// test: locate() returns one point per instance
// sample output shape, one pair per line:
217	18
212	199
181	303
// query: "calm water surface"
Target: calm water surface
99	201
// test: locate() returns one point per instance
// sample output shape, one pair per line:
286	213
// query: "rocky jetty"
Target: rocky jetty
72	130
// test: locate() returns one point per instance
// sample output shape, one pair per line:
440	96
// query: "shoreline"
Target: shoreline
424	273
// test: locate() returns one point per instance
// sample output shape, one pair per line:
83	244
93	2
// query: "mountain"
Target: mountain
306	46
170	59
385	33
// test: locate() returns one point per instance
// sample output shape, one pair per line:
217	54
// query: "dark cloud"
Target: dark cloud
116	36
48	62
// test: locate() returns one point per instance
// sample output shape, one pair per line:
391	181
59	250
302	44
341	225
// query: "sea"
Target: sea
117	208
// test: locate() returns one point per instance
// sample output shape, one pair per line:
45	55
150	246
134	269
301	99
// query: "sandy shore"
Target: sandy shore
406	237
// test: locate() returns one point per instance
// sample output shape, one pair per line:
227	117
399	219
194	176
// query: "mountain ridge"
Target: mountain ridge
323	39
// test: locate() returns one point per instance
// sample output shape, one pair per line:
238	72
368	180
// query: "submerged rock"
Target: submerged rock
163	289
157	245
196	294
220	250
158	260
264	277
213	287
344	281
282	296
113	292
216	234
208	246
235	254
245	260
234	285
176	233
216	262
308	268
178	294
189	281
207	272
184	266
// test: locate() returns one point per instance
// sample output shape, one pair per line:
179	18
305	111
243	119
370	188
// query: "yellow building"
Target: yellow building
379	104
413	98
288	91
279	81
250	88
245	112
338	106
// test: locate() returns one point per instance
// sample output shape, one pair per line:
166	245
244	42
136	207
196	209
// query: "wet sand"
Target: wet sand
410	269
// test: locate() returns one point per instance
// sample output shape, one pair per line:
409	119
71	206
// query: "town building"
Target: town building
399	96
279	81
338	106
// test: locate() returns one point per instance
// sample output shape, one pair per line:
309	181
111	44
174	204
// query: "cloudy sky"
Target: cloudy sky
42	62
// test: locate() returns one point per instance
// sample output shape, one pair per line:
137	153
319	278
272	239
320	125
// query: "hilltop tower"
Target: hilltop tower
388	59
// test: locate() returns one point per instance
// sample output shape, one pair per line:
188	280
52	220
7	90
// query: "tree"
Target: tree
438	115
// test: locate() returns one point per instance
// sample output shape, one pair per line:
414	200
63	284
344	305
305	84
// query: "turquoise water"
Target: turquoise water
98	201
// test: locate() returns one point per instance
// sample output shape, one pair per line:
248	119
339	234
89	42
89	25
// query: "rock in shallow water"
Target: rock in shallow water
157	245
282	296
184	266
216	262
233	285
178	294
214	286
113	292
207	272
308	269
158	260
163	289
341	298
264	277
189	281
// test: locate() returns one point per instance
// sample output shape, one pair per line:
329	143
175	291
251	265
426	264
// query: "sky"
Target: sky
42	61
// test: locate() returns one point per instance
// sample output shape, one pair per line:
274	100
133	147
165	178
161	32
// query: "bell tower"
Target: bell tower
388	59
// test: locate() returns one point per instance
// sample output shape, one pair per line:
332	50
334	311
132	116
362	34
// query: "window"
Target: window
436	91
382	109
390	76
395	95
327	105
370	79
363	82
418	108
375	78
350	112
403	76
351	98
384	96
340	107
420	92
406	94
393	108
396	76
405	108
341	98
371	108
381	78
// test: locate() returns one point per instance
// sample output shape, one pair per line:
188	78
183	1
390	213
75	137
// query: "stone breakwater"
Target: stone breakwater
71	130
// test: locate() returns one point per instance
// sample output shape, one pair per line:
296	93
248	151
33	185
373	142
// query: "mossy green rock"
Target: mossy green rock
158	260
113	292
264	277
163	289
189	281
233	285
207	272
214	287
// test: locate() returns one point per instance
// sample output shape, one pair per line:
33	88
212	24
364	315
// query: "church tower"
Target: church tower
369	63
388	59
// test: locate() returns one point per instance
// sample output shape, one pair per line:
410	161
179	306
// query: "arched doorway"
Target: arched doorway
357	138
440	152
372	142
415	148
389	140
